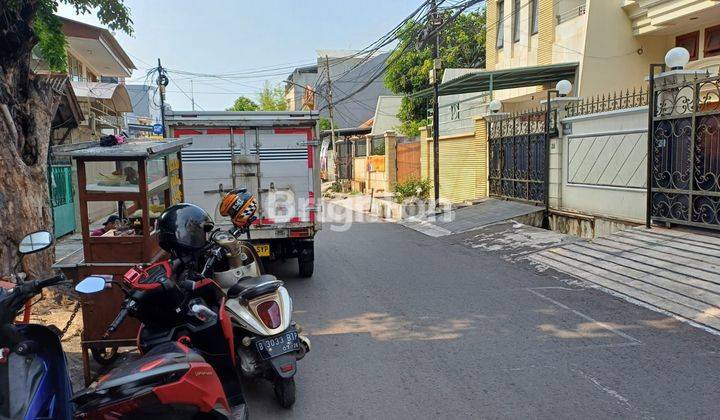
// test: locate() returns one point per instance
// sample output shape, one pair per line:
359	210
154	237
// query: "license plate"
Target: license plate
263	250
280	344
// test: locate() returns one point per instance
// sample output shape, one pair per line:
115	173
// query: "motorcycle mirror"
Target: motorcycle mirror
90	285
35	242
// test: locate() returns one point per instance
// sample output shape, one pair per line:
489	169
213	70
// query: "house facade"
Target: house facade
145	111
612	42
97	67
595	178
348	71
297	94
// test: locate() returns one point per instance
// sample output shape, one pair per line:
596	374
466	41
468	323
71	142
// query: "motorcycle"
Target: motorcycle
269	343
169	382
186	310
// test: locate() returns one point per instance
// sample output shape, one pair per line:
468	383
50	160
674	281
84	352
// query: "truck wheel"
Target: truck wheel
306	267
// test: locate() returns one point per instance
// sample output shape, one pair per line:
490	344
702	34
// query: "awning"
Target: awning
69	114
113	95
504	79
346	132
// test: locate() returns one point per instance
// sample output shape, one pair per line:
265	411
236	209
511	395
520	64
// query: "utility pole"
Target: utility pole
435	22
330	102
162	82
192	95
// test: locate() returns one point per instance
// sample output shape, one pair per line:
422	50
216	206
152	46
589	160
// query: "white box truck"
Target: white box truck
275	156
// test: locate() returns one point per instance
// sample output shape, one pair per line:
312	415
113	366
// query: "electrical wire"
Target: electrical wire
397	55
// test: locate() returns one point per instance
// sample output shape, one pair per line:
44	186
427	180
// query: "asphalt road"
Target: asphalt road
408	326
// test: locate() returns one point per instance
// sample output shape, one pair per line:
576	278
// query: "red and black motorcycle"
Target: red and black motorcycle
183	326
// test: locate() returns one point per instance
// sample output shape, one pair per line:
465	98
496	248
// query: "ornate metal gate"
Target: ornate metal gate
517	148
685	150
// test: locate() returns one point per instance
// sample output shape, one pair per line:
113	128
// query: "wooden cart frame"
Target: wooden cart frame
114	255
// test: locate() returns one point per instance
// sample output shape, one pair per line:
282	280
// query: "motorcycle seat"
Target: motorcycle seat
251	287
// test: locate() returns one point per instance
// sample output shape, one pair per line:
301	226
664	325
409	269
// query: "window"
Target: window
500	24
360	148
74	68
377	146
516	20
455	111
690	42
533	17
712	41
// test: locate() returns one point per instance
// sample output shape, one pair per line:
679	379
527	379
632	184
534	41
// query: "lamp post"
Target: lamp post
675	59
562	90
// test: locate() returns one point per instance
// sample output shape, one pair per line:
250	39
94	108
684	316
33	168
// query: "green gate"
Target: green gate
61	198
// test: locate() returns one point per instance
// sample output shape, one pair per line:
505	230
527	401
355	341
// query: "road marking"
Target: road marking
611	392
585	317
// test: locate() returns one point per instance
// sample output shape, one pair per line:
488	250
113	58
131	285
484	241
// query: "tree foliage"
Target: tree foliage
272	98
48	28
243	103
325	124
28	105
462	44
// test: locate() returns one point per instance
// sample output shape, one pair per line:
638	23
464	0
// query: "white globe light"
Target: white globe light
495	105
563	87
677	58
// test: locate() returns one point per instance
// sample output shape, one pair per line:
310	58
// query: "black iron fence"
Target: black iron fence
611	102
685	150
517	148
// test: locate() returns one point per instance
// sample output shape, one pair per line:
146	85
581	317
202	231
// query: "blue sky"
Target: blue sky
222	36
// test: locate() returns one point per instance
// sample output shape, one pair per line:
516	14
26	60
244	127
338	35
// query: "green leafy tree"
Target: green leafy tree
325	124
243	104
272	98
462	44
27	106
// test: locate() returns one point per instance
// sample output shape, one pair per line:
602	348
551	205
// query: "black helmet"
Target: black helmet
183	228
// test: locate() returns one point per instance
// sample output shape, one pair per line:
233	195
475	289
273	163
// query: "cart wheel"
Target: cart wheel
104	356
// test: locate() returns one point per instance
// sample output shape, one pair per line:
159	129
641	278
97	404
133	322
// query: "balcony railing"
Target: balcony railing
571	13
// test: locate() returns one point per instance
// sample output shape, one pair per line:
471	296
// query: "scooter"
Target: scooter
269	343
169	382
175	305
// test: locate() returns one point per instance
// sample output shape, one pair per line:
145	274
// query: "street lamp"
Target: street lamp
677	58
563	87
495	106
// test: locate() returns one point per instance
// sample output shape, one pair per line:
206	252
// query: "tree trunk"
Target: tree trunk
28	105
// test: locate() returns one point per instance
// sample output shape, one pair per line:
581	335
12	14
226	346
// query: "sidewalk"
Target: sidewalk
67	245
466	219
672	270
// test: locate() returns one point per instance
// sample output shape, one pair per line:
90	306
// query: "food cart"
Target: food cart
134	181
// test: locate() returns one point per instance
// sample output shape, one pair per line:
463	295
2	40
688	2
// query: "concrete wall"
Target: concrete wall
366	178
601	168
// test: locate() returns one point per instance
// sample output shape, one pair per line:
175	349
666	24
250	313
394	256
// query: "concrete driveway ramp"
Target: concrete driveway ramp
473	217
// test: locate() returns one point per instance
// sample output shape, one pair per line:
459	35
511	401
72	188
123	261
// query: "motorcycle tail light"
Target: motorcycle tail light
269	314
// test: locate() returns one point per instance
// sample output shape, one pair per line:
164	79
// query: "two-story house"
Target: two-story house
603	47
97	67
611	43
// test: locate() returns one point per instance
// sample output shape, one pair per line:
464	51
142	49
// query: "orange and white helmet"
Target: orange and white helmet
240	207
